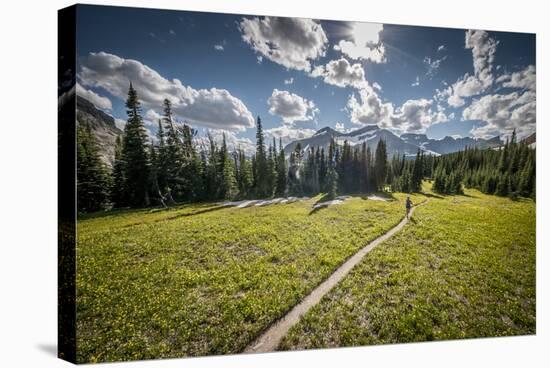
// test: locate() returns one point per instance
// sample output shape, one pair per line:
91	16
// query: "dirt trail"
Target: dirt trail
270	339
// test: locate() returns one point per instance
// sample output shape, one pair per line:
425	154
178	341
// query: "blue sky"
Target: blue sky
299	75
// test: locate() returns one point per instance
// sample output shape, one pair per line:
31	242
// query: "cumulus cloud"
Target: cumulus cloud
525	79
415	116
502	113
101	102
483	52
466	86
232	140
288	133
213	108
218	47
289	80
341	73
369	109
365	42
151	118
290	42
291	107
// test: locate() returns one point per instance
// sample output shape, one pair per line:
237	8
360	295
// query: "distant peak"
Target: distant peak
325	129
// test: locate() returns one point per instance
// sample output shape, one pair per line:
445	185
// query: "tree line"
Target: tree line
508	171
177	167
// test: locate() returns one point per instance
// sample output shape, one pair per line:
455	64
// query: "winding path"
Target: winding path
270	339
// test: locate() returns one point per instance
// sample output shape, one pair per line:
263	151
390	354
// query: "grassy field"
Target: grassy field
202	279
463	268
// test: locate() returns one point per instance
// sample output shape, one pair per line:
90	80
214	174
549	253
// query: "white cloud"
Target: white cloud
376	86
287	133
416	116
341	73
369	109
101	102
289	80
466	86
441	48
525	79
483	52
232	140
259	59
151	118
218	47
214	108
503	113
291	107
172	32
290	42
412	116
416	82
433	65
365	42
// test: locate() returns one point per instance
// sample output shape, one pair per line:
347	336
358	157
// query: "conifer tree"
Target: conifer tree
228	184
261	175
173	155
134	153
92	178
118	192
380	164
281	171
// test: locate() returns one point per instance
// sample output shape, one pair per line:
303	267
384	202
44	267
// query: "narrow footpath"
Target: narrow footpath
270	339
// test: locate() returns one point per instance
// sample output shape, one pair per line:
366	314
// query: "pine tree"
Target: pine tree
332	182
173	155
261	176
134	153
92	178
118	192
417	173
294	168
380	164
281	171
244	174
228	184
162	159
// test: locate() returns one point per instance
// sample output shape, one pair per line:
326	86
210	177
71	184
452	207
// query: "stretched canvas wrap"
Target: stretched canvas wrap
240	183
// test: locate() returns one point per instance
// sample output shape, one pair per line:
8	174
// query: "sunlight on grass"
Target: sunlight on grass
464	267
203	279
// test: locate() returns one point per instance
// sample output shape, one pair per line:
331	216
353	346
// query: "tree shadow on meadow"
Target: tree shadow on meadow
432	195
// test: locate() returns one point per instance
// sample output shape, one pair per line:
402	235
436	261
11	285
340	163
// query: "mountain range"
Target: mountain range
407	144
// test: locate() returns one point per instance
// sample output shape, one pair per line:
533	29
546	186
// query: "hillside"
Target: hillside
103	127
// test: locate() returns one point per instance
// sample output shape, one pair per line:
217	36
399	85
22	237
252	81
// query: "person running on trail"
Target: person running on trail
408	205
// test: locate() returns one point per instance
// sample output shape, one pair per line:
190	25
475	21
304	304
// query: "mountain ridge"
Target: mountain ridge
407	143
103	127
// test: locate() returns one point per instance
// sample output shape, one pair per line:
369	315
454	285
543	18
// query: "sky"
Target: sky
221	71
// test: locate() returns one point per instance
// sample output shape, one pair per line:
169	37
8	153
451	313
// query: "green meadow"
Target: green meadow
205	279
464	267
